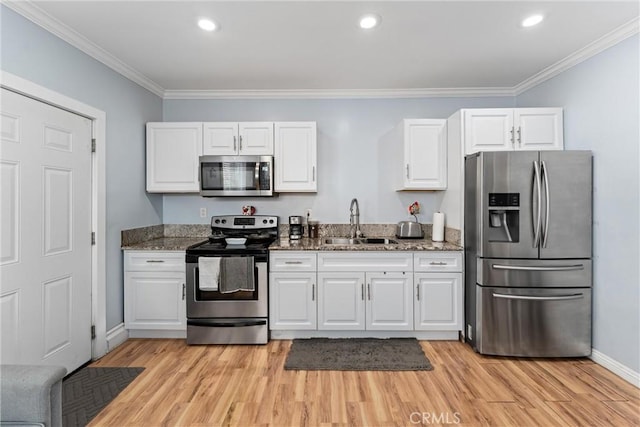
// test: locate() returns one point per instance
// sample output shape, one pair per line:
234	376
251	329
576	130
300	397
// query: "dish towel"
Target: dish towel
236	274
209	273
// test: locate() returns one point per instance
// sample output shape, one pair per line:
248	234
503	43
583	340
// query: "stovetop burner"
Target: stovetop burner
259	230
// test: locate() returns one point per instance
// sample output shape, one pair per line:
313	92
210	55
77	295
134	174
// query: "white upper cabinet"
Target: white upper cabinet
172	157
415	154
295	157
238	138
508	129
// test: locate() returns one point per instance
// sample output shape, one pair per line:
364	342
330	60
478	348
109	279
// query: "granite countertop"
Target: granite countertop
164	244
306	244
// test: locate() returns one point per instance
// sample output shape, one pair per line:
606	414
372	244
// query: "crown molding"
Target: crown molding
338	93
608	40
75	39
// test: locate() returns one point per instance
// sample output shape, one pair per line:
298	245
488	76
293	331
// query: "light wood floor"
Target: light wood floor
247	386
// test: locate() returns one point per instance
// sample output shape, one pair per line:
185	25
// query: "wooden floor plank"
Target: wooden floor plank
248	386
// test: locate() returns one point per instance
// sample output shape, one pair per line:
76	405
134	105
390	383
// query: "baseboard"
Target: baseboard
116	336
616	367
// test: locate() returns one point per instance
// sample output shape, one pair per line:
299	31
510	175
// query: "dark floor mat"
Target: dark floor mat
357	354
89	390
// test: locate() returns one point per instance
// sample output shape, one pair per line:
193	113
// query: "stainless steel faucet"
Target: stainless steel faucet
354	220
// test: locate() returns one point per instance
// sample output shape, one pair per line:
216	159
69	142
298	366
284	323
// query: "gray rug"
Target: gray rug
88	391
357	354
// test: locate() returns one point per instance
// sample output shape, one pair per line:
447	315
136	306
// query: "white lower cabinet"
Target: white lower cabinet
292	290
438	291
154	293
438	297
349	291
292	300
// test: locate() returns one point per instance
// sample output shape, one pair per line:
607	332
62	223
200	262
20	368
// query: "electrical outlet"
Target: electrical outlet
203	212
308	213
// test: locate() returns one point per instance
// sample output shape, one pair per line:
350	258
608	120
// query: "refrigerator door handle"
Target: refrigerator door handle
534	298
537	219
545	177
537	268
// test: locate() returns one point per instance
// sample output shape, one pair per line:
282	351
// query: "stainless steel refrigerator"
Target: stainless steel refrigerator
528	273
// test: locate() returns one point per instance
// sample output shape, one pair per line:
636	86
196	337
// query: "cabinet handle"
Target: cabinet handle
234	143
293	262
418	292
519	136
513	140
369	291
155	260
313	292
184	291
437	263
362	288
407	170
313	174
240	138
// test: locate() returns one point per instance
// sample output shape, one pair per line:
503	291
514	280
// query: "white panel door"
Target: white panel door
255	138
538	129
341	301
438	301
488	129
292	301
220	139
295	157
45	263
389	301
425	153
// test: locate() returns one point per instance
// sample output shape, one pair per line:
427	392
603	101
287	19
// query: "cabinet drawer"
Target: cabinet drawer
437	261
365	261
154	261
292	261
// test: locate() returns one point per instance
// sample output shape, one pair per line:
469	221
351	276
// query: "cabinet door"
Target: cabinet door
220	139
172	157
538	128
292	301
341	301
438	305
255	138
425	154
295	157
488	129
155	300
389	301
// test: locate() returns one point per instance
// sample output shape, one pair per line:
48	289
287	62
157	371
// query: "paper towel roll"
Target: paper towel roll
437	233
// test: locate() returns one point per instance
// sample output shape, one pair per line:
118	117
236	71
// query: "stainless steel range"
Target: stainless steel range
227	281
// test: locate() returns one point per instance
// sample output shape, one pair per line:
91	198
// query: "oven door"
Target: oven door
236	176
207	304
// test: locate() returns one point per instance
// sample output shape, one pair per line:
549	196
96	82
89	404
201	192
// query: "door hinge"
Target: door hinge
93	237
93	145
93	332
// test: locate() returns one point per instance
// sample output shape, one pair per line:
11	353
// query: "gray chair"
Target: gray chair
31	395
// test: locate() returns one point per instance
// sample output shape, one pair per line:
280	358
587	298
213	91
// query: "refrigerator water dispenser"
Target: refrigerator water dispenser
504	217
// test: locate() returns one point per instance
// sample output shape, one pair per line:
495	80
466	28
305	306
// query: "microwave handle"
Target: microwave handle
257	176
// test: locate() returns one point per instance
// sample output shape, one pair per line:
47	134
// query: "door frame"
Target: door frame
98	194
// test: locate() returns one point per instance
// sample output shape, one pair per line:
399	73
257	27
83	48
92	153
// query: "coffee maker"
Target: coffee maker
296	229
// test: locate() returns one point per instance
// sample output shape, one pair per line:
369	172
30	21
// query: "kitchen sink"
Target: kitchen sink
359	241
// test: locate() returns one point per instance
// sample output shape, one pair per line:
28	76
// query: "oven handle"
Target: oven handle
218	324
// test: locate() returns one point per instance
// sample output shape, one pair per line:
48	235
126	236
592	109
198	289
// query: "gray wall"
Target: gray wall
34	54
349	132
601	99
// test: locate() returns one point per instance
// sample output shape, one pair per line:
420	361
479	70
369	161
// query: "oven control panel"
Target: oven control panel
244	222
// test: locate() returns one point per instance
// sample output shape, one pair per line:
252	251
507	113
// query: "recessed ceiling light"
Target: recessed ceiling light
532	20
207	24
369	21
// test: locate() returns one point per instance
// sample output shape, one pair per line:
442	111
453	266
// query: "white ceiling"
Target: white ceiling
317	46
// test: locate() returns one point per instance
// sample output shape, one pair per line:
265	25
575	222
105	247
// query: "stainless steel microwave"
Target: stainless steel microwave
236	176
